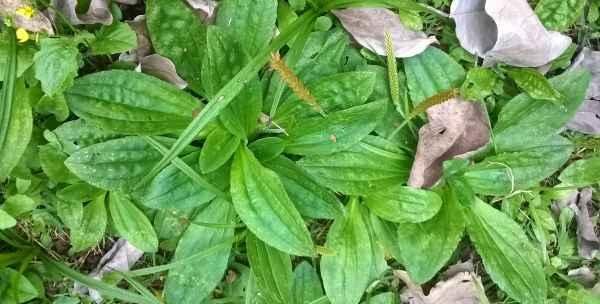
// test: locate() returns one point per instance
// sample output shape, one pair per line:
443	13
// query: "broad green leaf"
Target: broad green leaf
228	93
272	270
128	102
251	22
378	263
404	204
263	205
582	172
173	189
53	164
268	148
582	296
479	84
559	15
170	224
307	285
310	198
508	256
368	166
336	132
322	55
534	84
344	273
55	105
23	292
114	164
386	235
527	122
25	55
78	193
115	38
430	73
426	247
333	93
224	58
6	221
218	148
18	204
92	227
76	134
505	173
178	34
56	64
194	281
16	128
383	298
131	223
70	213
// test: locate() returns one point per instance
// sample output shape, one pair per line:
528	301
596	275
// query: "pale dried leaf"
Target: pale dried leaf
205	8
98	12
37	23
588	242
127	2
463	288
587	119
459	267
163	68
506	31
369	25
584	276
144	45
455	127
121	257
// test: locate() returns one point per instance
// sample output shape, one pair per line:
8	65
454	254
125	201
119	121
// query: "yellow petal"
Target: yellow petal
26	11
22	35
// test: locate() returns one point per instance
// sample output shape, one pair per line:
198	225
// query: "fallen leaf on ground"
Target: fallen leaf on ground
506	31
459	267
588	242
369	25
98	12
587	118
463	288
37	23
584	276
455	127
206	9
163	68
121	257
148	63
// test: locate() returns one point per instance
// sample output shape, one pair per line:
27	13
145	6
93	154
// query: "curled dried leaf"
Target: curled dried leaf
587	118
462	288
121	257
455	127
369	26
205	8
163	68
37	22
506	31
588	242
98	12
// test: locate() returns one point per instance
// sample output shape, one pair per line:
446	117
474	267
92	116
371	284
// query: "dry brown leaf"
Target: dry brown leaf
459	267
37	23
463	288
506	31
588	242
206	9
163	68
369	25
455	127
587	119
121	257
98	12
584	276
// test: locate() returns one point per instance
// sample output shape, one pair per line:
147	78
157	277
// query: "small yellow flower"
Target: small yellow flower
22	35
26	11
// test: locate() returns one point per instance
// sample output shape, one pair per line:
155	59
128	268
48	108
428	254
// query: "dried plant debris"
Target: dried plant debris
121	257
149	63
455	127
206	9
584	276
462	288
37	22
588	241
369	26
98	12
587	119
506	31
